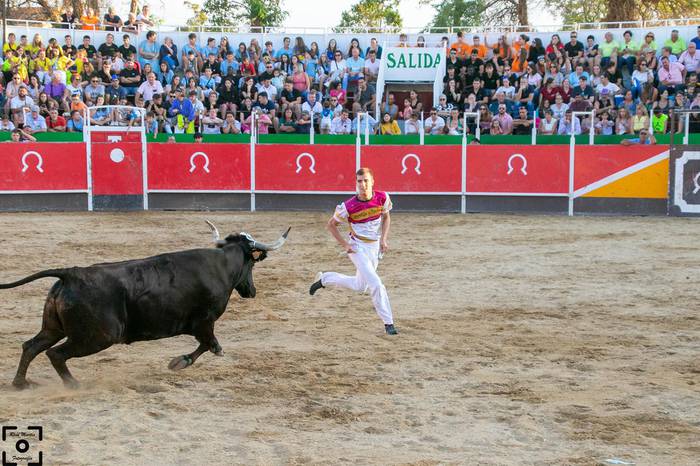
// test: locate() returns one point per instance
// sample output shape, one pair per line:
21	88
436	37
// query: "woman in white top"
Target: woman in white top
548	125
559	108
640	77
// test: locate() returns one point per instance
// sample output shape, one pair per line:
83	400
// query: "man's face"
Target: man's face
608	36
129	64
476	40
86	41
391	99
674	35
691	48
22	92
501	109
15	136
151	78
110	39
69	40
365	184
523	113
53	114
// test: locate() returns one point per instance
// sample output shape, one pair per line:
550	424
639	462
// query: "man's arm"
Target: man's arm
386	224
332	227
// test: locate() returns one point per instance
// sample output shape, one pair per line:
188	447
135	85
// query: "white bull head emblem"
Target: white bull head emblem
193	157
303	155
40	161
410	156
523	169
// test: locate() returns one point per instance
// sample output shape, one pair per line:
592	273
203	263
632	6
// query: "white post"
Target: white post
367	129
572	143
253	131
686	130
311	130
421	131
144	157
591	130
357	135
88	150
533	132
464	165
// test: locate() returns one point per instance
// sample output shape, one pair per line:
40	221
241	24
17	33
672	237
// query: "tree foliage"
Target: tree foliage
479	12
257	13
592	11
372	14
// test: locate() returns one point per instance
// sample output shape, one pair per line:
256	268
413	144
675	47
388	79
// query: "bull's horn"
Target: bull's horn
216	237
270	247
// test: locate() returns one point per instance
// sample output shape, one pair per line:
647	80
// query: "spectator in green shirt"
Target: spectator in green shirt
659	121
676	44
629	51
608	50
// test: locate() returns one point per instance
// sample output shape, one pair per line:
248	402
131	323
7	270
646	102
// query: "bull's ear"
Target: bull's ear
259	255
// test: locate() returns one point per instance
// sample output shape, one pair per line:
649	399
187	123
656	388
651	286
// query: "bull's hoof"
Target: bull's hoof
179	363
24	384
71	383
219	353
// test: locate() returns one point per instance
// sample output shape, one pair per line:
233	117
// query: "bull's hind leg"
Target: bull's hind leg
207	342
73	349
43	340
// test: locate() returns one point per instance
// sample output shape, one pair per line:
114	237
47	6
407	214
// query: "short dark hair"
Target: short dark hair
86	37
365	171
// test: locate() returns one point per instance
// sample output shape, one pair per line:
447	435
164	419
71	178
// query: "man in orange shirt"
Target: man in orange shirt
481	48
463	49
90	21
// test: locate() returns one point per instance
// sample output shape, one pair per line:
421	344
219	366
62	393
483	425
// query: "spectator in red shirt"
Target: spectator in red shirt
55	123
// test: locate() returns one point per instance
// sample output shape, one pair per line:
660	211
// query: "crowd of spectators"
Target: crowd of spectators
288	87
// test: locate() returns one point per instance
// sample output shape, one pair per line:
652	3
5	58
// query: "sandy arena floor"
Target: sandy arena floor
524	340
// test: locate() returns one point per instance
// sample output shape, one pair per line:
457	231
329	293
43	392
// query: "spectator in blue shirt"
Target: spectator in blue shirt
75	124
285	50
210	48
182	106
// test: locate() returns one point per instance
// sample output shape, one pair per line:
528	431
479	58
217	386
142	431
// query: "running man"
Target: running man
368	216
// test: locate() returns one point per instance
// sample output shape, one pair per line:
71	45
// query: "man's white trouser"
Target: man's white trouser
366	260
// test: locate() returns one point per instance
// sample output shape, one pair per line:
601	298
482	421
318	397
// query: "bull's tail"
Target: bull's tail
58	273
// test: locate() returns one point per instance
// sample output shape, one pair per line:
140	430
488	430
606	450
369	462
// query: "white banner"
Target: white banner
412	64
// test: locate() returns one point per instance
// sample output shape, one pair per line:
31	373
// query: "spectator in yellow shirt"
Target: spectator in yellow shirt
389	125
676	44
11	44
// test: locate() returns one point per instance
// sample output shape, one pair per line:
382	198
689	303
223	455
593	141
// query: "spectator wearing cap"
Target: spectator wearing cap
33	122
113	92
671	76
676	43
643	139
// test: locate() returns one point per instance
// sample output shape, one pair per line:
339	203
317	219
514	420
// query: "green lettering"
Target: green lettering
391	60
402	61
428	63
411	64
438	59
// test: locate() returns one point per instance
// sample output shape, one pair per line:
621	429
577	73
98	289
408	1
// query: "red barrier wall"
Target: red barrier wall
215	167
518	169
291	167
433	169
43	166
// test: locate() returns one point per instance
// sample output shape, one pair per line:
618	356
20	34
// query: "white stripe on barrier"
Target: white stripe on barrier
45	191
621	174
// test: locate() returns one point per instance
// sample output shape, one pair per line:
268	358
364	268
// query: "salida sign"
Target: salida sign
412	64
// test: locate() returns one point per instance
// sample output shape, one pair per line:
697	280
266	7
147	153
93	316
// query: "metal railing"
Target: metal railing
513	28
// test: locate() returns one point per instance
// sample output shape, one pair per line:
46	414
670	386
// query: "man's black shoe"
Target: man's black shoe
317	285
390	330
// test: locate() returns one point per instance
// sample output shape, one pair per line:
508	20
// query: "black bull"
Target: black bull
162	296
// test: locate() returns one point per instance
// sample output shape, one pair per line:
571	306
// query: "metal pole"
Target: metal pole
464	165
421	131
252	162
686	130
